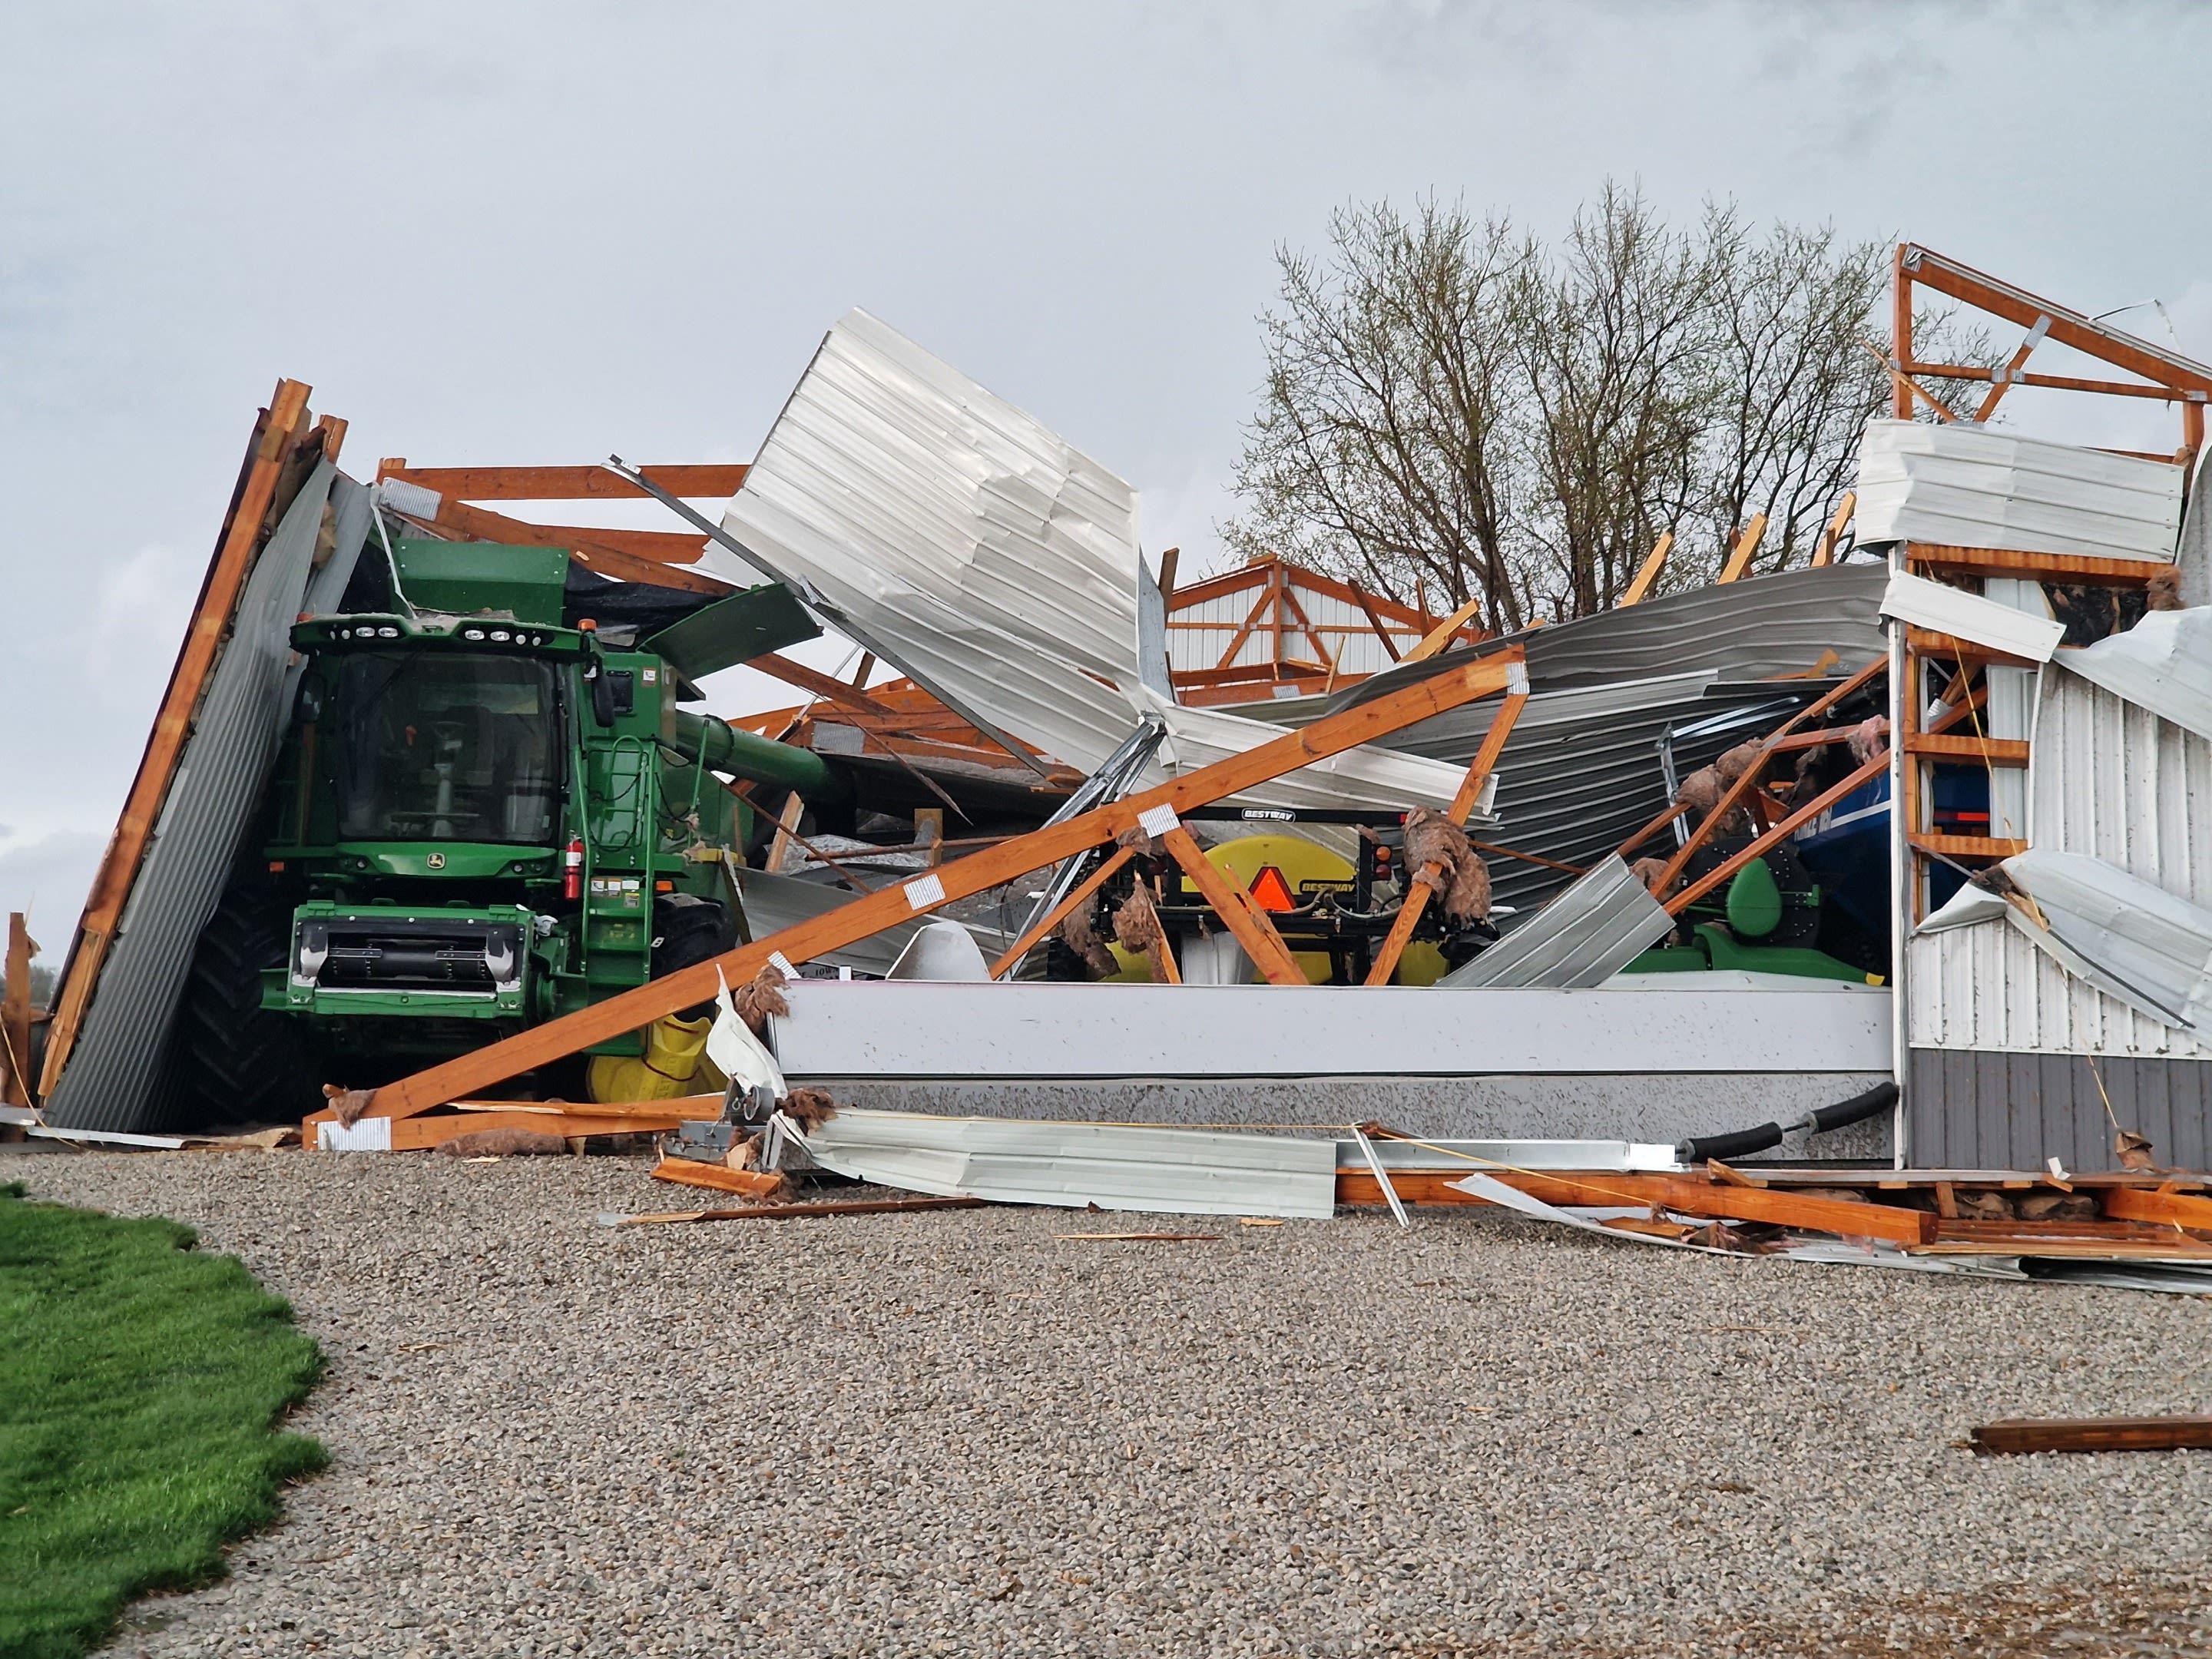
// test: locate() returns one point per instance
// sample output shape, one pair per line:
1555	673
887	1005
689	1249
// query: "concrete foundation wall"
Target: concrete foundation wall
1601	1106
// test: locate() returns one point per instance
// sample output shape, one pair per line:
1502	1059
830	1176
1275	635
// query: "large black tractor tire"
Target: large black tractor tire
688	931
242	1063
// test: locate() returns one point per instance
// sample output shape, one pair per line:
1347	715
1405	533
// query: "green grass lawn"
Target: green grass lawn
139	1383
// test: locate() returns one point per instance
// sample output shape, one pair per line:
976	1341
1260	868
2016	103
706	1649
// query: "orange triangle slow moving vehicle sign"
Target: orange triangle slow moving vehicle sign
1271	892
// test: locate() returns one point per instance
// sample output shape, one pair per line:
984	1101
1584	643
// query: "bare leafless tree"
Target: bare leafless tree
1385	447
1613	348
1453	412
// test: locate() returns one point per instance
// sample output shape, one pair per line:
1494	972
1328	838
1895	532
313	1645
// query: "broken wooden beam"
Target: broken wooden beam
693	1172
961	879
2091	1434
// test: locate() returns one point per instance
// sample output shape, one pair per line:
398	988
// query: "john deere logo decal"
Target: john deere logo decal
436	860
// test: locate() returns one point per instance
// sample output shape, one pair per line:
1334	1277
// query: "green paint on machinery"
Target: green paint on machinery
480	818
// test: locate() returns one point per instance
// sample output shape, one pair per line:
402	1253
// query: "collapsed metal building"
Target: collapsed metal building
2008	877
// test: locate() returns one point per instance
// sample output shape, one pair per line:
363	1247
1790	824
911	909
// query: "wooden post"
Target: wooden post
1739	559
16	1015
787	832
1648	572
1832	536
1900	330
1462	807
929	831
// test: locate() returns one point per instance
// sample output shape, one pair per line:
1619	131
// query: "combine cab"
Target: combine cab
482	817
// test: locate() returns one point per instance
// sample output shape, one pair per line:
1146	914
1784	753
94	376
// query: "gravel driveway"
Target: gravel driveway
951	1432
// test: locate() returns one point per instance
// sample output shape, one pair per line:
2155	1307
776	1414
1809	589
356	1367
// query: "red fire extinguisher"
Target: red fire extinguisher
572	869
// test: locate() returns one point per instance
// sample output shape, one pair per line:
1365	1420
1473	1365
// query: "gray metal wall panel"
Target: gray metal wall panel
1983	1109
111	1077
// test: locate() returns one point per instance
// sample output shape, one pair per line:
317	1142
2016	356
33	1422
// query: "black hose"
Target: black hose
1858	1110
1859	1107
1698	1148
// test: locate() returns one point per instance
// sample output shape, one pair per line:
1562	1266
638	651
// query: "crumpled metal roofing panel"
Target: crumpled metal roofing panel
1960	484
1589	933
1757	628
998	565
111	1082
1113	1166
2164	663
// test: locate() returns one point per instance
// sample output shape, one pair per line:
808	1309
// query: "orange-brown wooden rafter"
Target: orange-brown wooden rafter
609	553
2172	377
1735	795
565	483
961	879
1462	807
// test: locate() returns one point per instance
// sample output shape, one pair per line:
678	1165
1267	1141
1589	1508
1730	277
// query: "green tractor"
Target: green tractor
482	817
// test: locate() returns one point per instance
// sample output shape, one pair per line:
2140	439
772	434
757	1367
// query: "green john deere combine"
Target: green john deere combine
482	817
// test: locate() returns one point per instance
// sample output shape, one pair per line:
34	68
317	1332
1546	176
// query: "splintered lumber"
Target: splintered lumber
691	1172
801	1211
1684	1195
684	1108
2133	1204
962	879
2091	1434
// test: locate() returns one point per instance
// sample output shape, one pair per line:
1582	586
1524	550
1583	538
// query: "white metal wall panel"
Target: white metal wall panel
1961	484
2110	780
983	555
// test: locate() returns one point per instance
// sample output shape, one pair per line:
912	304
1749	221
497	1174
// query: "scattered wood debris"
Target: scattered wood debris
2091	1434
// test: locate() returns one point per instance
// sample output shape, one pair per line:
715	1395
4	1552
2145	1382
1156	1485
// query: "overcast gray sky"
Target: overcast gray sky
506	233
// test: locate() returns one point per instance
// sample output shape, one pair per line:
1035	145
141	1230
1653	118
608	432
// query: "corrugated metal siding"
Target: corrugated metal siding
1755	629
1980	1110
111	1080
994	562
1960	484
1586	934
1581	772
2110	780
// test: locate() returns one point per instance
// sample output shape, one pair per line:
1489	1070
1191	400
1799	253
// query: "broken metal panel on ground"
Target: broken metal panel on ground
1114	1166
995	563
112	1078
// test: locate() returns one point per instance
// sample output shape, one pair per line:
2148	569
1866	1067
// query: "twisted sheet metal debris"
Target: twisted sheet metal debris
1591	931
1114	1166
1960	484
997	564
114	1073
